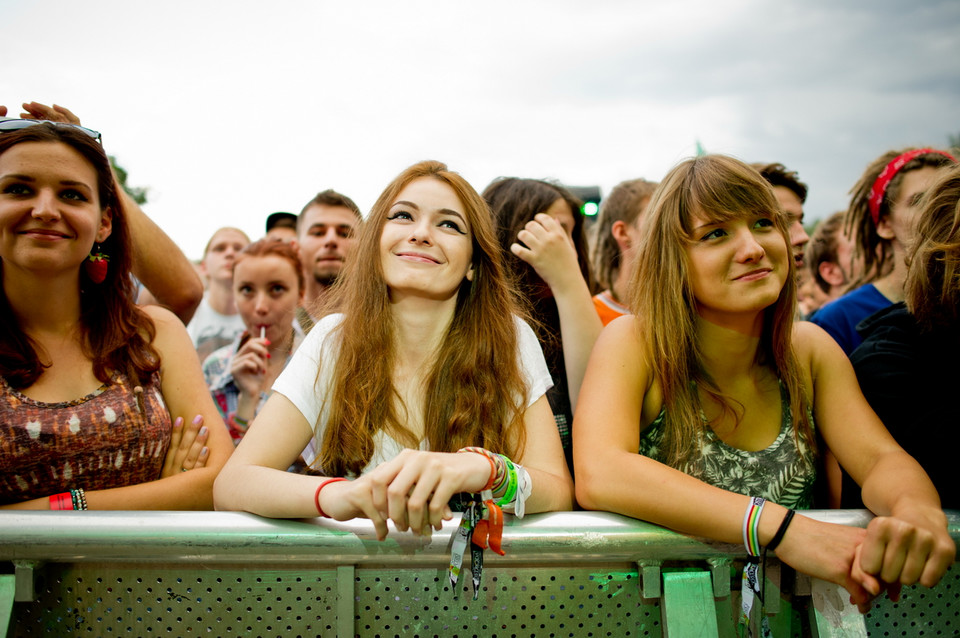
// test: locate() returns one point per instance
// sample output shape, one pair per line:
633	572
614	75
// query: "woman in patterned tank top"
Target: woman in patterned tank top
88	381
718	388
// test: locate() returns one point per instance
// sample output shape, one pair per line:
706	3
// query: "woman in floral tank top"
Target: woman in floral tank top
88	381
718	388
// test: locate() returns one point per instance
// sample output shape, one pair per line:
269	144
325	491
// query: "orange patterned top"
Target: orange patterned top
109	438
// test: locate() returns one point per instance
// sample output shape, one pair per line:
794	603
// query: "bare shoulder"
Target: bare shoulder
818	354
810	341
161	316
620	344
621	330
619	366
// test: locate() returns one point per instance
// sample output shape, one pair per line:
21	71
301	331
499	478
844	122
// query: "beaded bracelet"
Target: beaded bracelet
78	498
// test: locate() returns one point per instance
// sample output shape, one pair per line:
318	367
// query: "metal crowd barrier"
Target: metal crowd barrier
564	574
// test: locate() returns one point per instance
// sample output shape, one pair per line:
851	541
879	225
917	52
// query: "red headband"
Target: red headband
879	190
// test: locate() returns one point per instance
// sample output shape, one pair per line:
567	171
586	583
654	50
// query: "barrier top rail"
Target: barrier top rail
232	537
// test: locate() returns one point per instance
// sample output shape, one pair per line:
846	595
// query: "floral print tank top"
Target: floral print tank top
783	473
113	437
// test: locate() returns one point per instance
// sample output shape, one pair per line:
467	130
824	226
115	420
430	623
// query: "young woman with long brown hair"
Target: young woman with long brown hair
720	391
425	355
89	380
541	233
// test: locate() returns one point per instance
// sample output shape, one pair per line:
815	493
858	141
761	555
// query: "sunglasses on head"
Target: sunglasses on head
15	124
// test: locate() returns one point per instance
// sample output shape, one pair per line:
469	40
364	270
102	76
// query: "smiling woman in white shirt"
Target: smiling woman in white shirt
425	356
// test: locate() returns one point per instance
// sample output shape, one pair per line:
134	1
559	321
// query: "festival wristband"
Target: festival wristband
62	501
493	465
751	525
511	492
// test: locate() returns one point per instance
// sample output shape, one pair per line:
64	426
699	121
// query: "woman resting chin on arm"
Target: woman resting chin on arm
719	392
446	364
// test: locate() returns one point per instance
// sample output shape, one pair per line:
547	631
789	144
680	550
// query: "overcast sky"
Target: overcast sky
229	111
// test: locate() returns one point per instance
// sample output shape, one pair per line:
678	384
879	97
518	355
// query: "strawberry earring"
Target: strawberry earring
96	266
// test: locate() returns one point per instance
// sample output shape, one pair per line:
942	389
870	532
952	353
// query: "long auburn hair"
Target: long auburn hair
932	288
116	335
475	392
720	188
876	251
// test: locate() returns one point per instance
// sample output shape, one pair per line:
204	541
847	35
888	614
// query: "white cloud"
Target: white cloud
230	111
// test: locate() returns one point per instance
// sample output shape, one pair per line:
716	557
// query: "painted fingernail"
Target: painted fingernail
177	422
267	341
197	420
204	451
203	431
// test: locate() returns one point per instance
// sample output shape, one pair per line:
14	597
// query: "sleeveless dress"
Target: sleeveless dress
784	472
112	437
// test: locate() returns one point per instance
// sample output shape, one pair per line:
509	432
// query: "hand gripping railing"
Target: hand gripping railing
564	574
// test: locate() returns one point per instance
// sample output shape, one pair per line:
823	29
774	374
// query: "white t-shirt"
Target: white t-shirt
299	383
211	330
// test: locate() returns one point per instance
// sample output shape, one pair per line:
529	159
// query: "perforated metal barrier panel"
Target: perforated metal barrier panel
571	574
921	611
178	601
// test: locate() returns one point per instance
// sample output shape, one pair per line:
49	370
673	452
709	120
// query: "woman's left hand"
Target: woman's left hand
187	449
911	546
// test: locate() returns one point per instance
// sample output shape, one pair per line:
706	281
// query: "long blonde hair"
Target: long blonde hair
475	393
720	188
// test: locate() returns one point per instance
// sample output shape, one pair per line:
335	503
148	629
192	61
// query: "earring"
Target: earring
96	266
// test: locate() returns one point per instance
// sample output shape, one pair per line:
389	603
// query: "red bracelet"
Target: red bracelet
62	501
493	465
316	497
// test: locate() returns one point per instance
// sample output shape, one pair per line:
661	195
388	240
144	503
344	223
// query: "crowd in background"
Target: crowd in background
690	355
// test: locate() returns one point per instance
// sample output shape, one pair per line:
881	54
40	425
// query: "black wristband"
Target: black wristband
775	541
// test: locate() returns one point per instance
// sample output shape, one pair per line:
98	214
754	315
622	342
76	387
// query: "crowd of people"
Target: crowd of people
694	358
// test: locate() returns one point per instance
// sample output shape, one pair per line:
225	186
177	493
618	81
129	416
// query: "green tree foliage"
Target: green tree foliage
138	194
